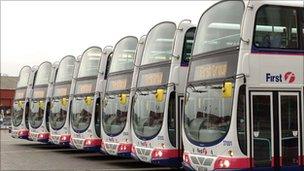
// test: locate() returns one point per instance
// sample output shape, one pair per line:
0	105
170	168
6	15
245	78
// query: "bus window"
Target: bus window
108	66
97	117
187	47
276	27
303	28
47	117
241	120
172	119
27	109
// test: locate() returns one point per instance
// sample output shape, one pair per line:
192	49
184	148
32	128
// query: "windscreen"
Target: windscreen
43	74
219	27
148	114
24	77
81	113
65	69
18	108
90	62
159	44
124	55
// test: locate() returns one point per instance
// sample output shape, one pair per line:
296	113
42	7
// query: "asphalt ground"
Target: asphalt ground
17	154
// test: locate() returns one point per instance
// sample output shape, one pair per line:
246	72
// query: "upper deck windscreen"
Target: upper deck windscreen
24	77
43	74
159	43
90	62
219	27
66	69
124	55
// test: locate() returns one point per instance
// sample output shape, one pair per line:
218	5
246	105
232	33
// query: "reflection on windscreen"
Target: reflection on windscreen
36	112
207	113
159	44
18	108
148	114
81	113
124	55
114	114
219	27
58	113
90	63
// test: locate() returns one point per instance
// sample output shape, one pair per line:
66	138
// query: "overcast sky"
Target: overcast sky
33	32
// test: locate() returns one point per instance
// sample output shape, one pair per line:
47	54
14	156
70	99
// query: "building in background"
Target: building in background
7	92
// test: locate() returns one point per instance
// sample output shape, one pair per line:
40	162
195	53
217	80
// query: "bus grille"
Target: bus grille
111	146
142	151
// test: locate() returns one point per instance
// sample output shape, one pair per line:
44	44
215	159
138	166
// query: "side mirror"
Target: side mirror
227	90
41	104
88	100
123	99
20	104
64	101
159	95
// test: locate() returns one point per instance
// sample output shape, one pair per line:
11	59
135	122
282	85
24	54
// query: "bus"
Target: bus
116	139
156	106
85	108
61	100
20	127
40	102
244	95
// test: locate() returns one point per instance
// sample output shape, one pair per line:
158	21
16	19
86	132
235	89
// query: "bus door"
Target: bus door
275	130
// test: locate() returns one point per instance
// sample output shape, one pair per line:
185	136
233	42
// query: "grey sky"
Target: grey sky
32	31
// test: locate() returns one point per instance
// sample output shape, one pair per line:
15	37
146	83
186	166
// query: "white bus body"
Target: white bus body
116	104
40	102
24	90
244	95
85	107
156	112
60	101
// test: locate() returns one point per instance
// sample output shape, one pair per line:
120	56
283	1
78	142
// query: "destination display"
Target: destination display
20	94
221	66
85	87
154	76
119	82
210	71
39	92
61	90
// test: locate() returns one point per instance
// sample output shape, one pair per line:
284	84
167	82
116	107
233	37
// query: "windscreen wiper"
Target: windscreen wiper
196	90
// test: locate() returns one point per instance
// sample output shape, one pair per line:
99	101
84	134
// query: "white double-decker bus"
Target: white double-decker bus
115	106
40	102
85	108
244	95
61	100
156	106
20	126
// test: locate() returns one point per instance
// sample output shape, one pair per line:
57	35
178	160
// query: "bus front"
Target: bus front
157	102
60	102
84	135
116	139
39	106
21	105
212	90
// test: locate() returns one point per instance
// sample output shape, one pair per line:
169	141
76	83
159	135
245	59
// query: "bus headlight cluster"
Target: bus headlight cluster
224	163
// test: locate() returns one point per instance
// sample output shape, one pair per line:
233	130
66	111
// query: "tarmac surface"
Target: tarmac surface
17	154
